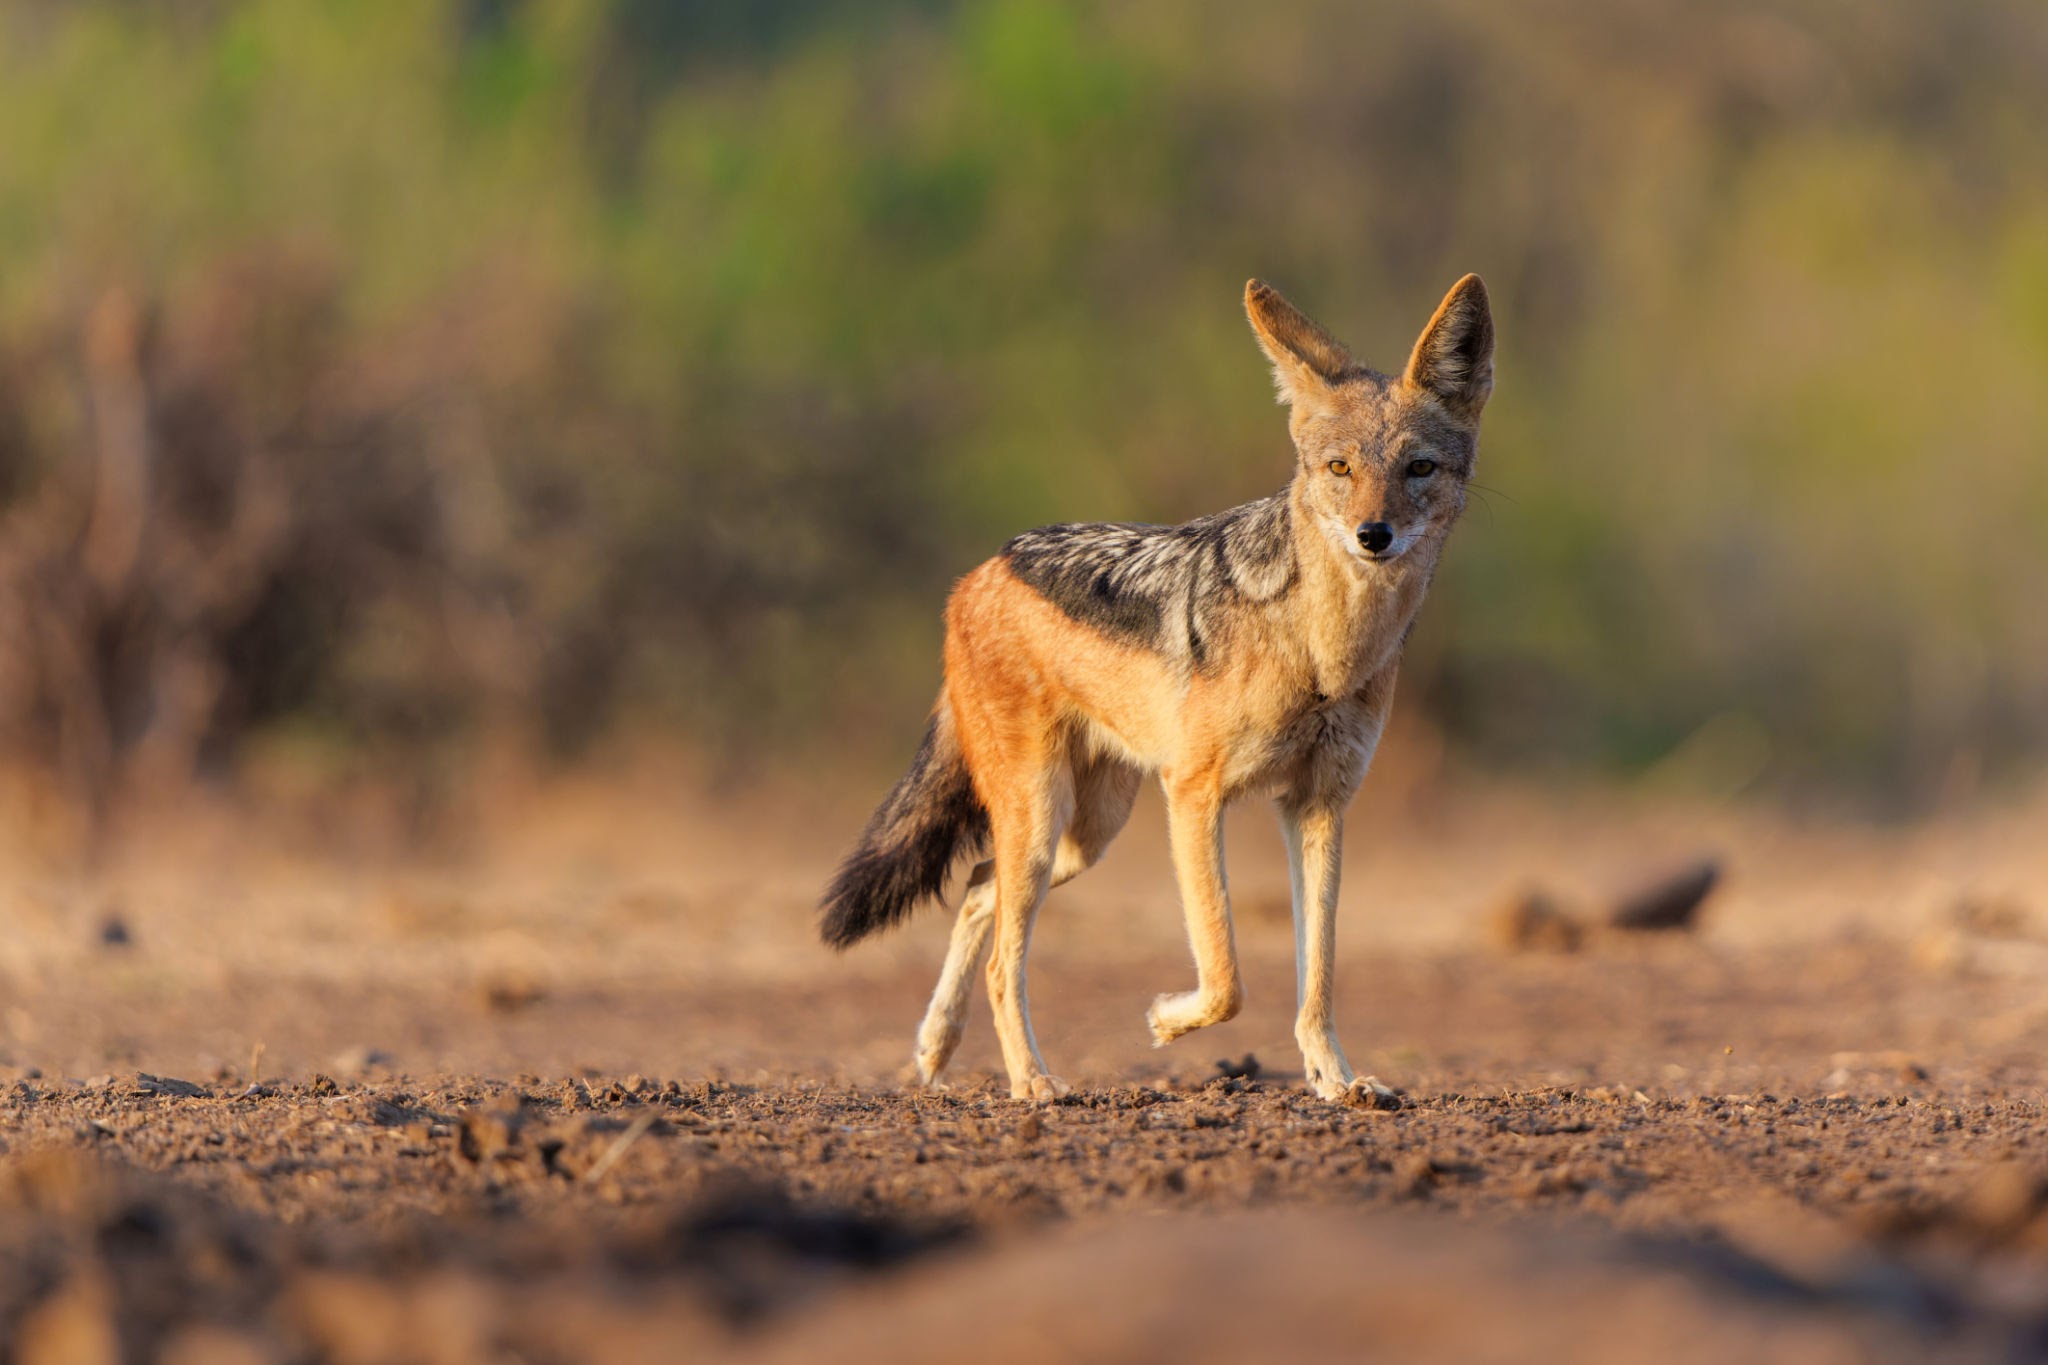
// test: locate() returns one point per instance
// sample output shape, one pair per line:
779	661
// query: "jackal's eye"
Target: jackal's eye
1340	467
1421	469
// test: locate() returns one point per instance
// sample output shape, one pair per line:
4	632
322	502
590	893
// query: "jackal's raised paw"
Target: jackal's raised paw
1164	1028
1179	1012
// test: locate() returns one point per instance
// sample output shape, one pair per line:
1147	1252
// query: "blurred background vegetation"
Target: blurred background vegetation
388	382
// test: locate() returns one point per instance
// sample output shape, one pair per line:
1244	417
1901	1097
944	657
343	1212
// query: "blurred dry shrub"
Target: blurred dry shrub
249	523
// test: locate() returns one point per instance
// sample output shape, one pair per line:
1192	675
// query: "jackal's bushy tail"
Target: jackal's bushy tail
930	818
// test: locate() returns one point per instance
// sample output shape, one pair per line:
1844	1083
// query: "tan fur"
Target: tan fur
1057	721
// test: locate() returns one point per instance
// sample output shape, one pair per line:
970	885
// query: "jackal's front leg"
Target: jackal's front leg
1194	813
1315	854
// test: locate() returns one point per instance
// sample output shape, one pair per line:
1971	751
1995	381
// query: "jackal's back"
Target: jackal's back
1168	589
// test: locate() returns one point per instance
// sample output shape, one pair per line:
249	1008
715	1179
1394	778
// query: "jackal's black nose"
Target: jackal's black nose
1375	536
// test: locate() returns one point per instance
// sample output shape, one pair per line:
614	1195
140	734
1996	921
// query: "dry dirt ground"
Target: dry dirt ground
596	1095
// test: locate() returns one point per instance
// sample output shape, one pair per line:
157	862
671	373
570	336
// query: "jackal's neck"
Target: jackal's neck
1352	616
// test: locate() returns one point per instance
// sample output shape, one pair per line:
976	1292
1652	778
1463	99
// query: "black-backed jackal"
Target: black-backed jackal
1245	652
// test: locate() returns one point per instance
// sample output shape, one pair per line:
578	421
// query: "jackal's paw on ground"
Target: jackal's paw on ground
1368	1093
920	1076
1041	1090
927	1065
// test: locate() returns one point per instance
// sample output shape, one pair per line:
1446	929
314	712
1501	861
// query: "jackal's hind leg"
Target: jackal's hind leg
1103	792
946	1017
1023	875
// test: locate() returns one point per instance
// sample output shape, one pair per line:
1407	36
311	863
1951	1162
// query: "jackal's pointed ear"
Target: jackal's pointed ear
1306	359
1453	359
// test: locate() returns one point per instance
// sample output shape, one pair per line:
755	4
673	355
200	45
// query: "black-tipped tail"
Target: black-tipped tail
928	820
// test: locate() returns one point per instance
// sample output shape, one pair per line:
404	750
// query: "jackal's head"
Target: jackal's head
1383	458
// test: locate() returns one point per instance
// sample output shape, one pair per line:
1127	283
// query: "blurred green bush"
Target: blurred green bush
379	377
